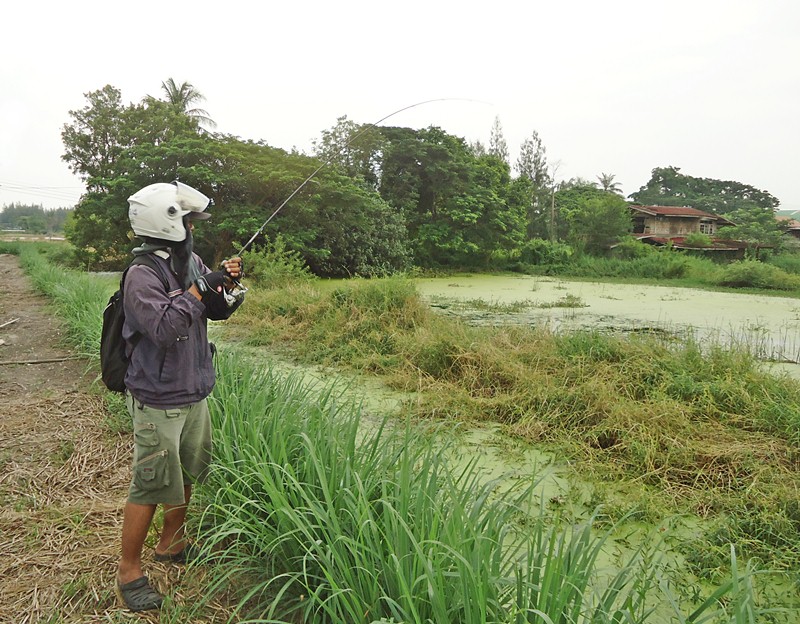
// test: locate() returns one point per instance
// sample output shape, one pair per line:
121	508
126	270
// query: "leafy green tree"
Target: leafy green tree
757	227
459	208
352	147
96	138
340	226
571	197
478	149
597	222
669	187
117	149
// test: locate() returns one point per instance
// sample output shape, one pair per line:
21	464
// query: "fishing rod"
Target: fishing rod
330	160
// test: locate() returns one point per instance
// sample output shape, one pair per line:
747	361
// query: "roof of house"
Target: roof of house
680	211
791	224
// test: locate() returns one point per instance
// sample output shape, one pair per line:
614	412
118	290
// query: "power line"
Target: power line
70	194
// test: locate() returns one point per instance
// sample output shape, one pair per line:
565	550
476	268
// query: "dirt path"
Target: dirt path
63	474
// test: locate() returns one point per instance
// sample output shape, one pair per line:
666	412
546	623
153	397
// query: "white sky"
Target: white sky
621	86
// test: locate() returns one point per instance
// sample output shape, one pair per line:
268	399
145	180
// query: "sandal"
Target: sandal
138	595
188	554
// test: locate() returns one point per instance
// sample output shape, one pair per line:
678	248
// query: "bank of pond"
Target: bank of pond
663	486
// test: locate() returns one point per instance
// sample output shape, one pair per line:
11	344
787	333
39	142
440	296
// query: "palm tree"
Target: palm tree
184	97
607	183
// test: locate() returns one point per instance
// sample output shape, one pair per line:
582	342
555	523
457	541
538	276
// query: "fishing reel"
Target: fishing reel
235	295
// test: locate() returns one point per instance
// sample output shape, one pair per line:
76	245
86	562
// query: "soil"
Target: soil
64	474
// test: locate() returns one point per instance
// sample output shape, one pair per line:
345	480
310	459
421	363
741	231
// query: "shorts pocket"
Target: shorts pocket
150	473
146	434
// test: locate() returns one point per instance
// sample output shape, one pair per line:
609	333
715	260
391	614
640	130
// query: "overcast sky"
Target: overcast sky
620	87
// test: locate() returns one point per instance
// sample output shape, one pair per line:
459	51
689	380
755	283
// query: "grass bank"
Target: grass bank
659	427
309	517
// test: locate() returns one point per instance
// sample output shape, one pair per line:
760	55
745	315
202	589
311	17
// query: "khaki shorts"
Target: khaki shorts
172	448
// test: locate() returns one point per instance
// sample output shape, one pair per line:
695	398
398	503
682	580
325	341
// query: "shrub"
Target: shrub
755	274
789	262
697	239
631	249
539	251
275	265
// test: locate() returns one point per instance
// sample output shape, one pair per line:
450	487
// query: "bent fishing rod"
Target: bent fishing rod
363	130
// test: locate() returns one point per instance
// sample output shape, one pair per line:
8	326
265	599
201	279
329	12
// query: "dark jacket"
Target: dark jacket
171	364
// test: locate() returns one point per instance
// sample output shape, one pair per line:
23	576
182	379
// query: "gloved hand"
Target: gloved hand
211	285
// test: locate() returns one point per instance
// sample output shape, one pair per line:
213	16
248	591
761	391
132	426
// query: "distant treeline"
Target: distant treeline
34	219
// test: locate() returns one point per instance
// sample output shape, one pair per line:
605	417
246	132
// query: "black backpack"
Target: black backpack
113	361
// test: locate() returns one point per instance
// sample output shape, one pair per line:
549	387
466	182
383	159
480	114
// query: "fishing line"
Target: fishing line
347	144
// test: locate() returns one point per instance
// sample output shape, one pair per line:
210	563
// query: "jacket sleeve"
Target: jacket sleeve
164	319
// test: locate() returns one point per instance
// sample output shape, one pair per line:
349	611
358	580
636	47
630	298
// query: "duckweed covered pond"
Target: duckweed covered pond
767	326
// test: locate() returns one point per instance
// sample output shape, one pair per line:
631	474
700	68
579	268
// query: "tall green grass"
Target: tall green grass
79	298
313	514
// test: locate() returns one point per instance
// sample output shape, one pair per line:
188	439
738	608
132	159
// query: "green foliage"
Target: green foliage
789	262
339	226
539	251
273	265
755	225
458	207
631	249
597	223
655	264
697	239
755	274
34	219
313	514
669	187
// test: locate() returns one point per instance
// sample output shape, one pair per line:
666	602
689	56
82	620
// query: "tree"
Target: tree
497	142
598	222
607	183
757	227
96	138
354	148
532	166
459	208
340	226
668	187
569	197
184	98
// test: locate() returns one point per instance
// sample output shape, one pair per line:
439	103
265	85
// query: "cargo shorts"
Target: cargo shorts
172	448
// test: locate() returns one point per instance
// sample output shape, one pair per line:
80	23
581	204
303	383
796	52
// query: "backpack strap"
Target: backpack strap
149	261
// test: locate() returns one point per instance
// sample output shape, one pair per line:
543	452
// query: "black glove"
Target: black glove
211	285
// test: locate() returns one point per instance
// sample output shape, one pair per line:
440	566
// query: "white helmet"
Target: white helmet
158	210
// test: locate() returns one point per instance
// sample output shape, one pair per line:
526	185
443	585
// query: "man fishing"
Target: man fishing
169	377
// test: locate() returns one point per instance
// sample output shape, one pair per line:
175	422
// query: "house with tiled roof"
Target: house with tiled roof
670	225
790	219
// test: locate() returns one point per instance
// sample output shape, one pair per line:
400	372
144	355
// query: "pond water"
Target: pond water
768	326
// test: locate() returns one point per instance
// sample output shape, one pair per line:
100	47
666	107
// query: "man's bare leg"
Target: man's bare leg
173	533
135	525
